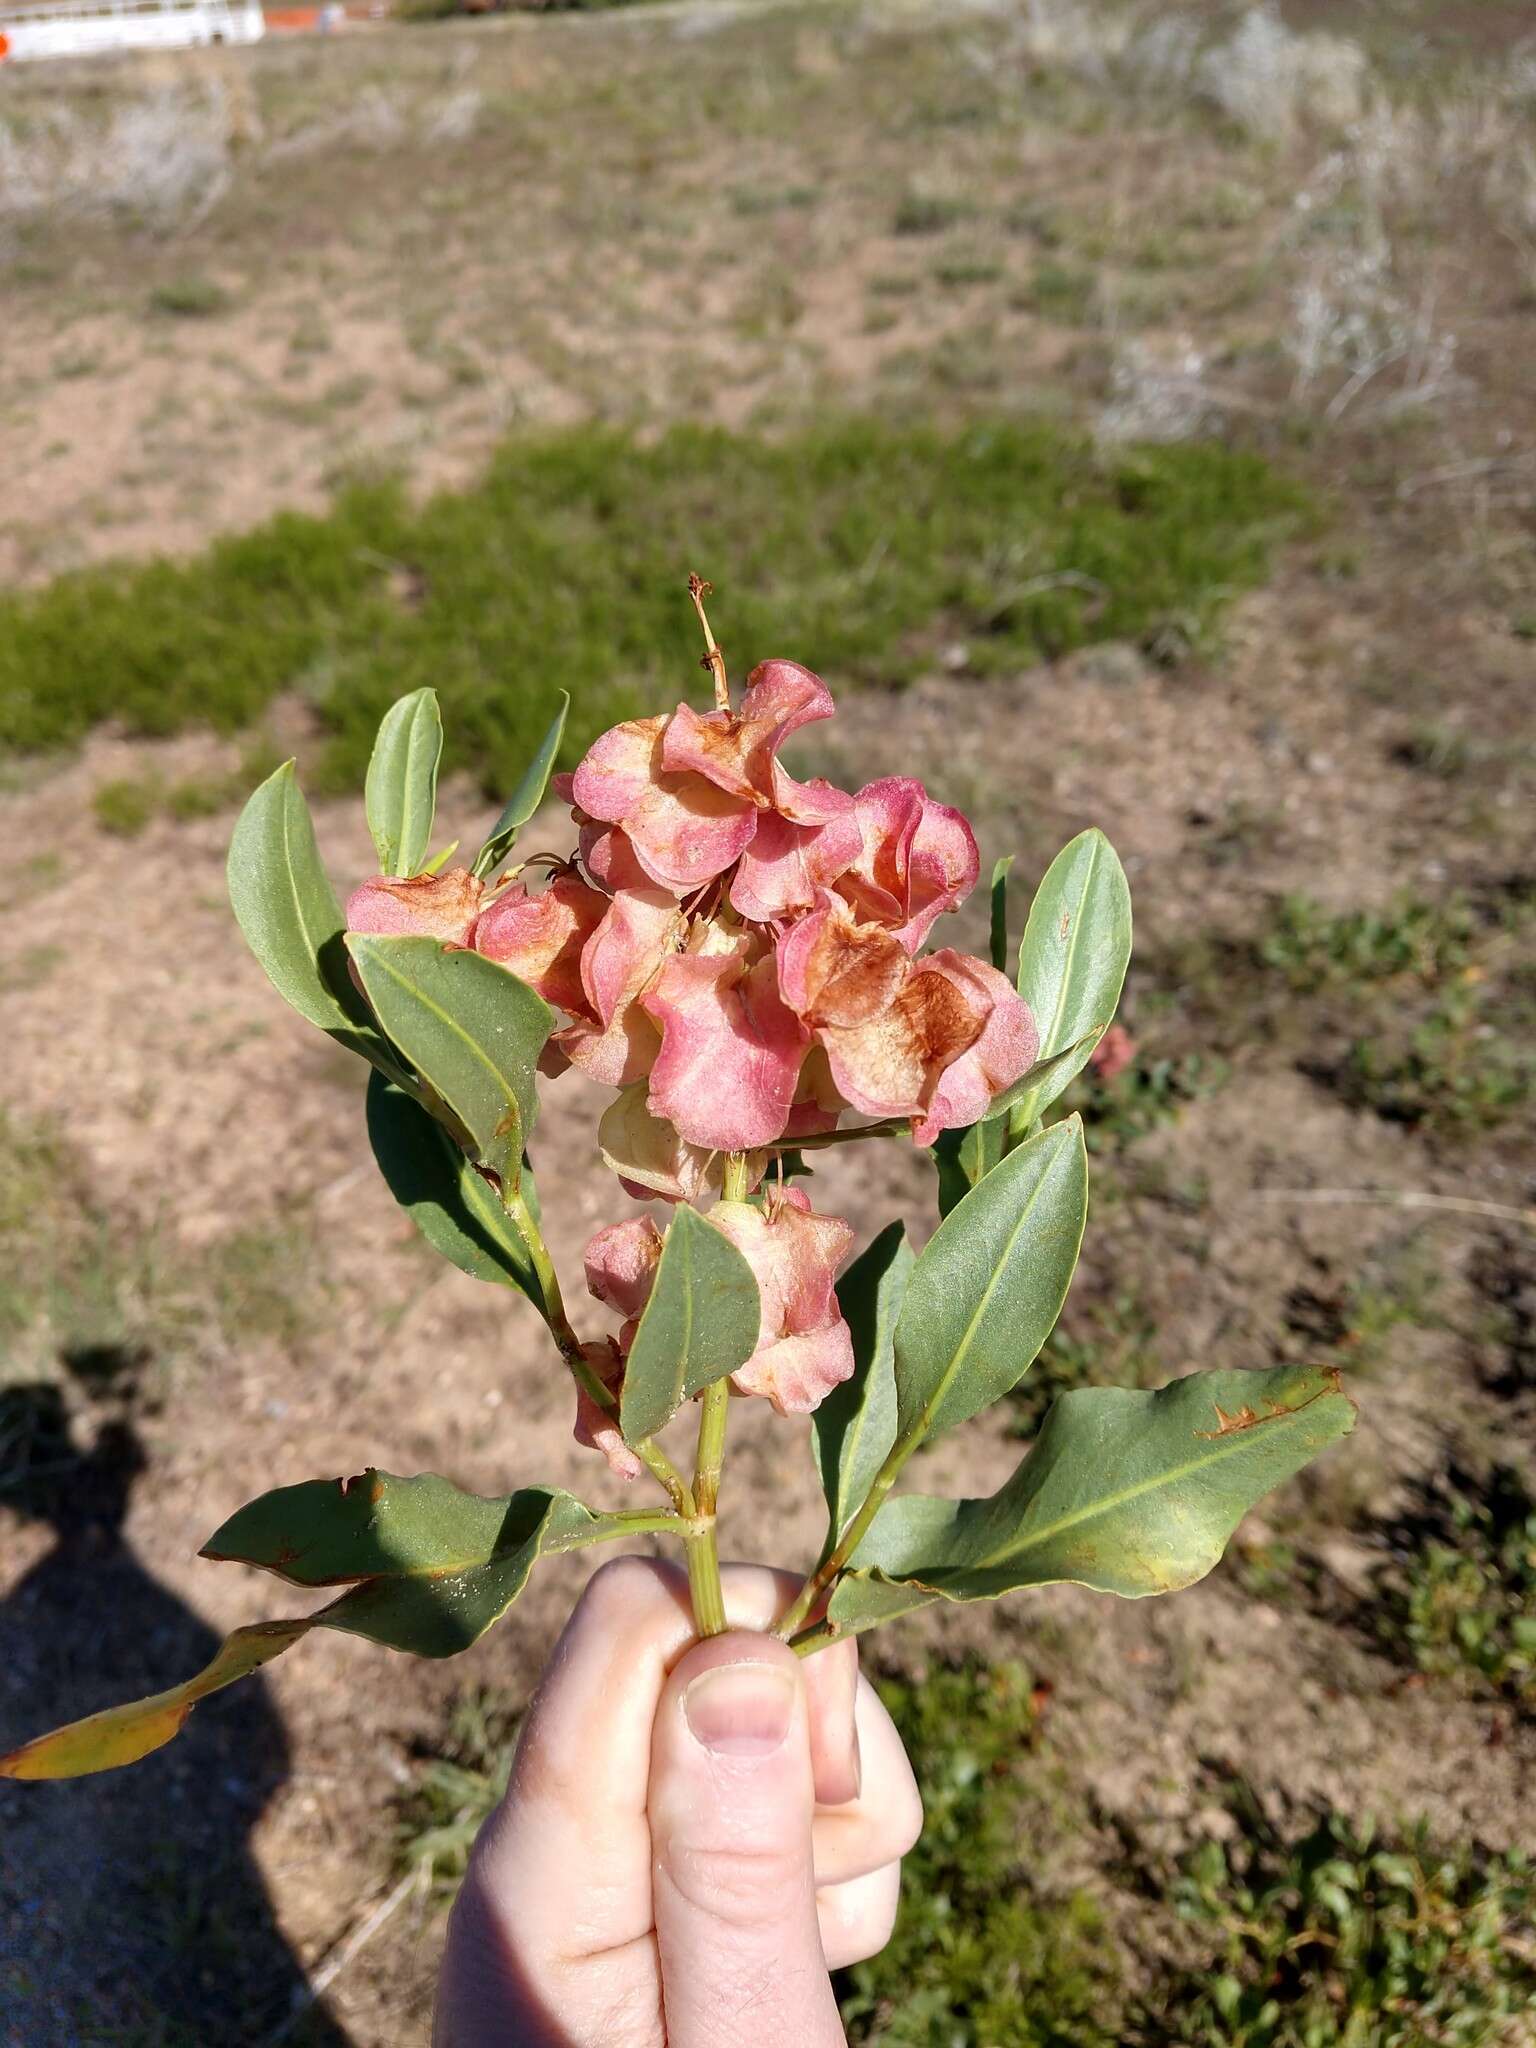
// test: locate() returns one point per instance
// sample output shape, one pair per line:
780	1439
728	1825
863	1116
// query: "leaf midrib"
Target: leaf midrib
408	787
286	816
413	989
1144	1486
1068	963
958	1357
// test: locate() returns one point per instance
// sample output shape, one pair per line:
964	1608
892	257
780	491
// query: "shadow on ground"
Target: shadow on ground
131	1908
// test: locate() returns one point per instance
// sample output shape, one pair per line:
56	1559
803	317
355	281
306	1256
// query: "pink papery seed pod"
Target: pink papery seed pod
918	860
804	1347
620	1265
835	970
614	1040
597	1428
424	906
1003	1050
683	829
654	1162
738	750
541	938
731	1048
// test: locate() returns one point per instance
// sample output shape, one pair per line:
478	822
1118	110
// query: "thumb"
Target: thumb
734	1891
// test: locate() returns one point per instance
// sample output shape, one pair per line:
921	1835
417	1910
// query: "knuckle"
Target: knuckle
620	1587
737	1883
906	1817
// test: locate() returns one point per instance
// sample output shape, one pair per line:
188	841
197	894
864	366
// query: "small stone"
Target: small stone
1117	664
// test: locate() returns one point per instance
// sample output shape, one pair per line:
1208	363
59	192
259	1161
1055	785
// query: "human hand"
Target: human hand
691	1839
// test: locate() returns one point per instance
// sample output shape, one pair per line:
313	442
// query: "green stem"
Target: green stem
701	1549
714	1412
636	1522
704	1579
890	1127
1020	1117
552	1306
819	1581
552	1301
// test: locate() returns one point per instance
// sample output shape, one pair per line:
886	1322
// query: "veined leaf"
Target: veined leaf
473	1031
855	1426
700	1323
287	909
526	798
1122	1491
401	791
987	1289
1073	956
443	1193
433	1567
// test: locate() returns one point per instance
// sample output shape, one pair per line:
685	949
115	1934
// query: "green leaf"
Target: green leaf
473	1031
430	1569
1000	912
855	1426
700	1323
401	791
332	1532
1074	953
1122	1491
287	909
444	1194
1044	1076
990	1282
963	1157
526	798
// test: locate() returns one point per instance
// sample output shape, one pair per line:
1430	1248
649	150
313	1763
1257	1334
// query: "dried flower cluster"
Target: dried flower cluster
738	955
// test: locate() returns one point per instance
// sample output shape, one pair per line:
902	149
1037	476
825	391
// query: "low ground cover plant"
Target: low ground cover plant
874	542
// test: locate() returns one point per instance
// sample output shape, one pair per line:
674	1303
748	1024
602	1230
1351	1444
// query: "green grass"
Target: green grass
1459	1600
1445	1004
854	546
980	1956
1423	1012
1348	1937
1316	950
189	298
128	805
453	1789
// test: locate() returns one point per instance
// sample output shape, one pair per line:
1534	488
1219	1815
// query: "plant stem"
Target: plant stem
630	1522
821	1579
1020	1117
552	1306
661	1468
552	1301
714	660
703	1561
714	1411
